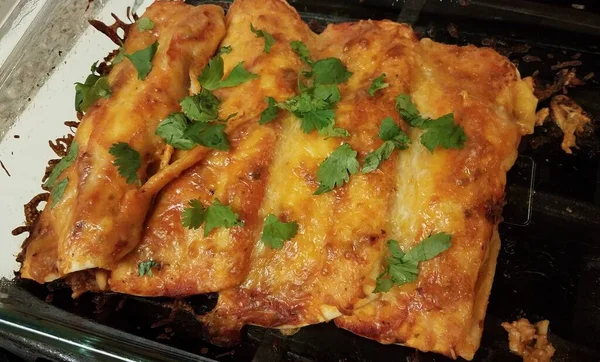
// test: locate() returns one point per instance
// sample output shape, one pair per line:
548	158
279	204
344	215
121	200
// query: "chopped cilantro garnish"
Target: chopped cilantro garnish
211	75
144	24
403	267
202	107
142	60
171	130
393	138
119	57
58	190
329	71
127	160
214	216
315	103
336	169
193	216
62	165
211	135
302	51
276	232
440	132
88	92
270	113
377	84
145	267
269	40
224	50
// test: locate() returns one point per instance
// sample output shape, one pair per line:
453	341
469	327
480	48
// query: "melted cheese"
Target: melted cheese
328	270
456	191
190	262
100	216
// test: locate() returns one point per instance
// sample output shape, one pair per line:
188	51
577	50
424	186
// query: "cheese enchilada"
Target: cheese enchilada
355	175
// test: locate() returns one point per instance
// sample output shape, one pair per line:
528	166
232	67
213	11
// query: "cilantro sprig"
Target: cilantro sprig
315	104
127	160
403	267
145	267
269	40
144	24
377	84
211	77
62	165
88	92
439	132
336	169
224	50
393	137
142	60
276	232
214	216
198	124
201	107
58	191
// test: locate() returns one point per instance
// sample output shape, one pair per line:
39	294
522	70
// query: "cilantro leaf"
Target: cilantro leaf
429	248
214	216
377	84
119	57
224	50
317	119
269	40
210	135
336	169
127	160
58	191
171	130
237	76
145	267
440	132
443	132
276	232
314	107
142	60
202	107
383	285
144	24
302	51
193	216
332	131
390	131
329	71
408	111
375	158
394	138
270	113
403	267
210	77
62	165
87	93
219	215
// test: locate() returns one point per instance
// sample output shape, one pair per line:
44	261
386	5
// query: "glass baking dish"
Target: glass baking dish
548	267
